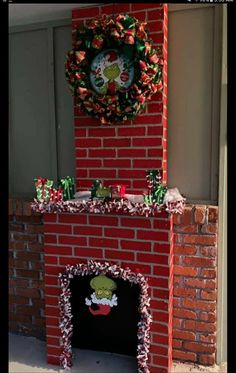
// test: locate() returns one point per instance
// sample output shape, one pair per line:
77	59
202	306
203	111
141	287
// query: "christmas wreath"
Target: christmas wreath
113	69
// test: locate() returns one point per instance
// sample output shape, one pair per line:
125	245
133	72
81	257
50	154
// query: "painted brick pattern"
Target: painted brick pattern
26	270
135	242
123	153
188	344
195	285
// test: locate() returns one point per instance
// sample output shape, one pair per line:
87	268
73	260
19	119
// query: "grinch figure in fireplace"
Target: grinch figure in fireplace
102	296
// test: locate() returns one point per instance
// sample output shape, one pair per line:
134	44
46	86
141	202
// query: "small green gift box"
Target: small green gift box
68	186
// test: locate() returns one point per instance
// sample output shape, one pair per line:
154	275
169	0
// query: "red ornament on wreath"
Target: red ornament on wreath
113	68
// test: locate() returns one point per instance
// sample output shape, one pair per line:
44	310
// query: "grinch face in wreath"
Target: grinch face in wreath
111	71
102	296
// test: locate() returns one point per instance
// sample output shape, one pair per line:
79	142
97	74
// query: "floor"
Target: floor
28	355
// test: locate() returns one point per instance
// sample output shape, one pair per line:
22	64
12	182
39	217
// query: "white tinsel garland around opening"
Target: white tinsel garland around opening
115	271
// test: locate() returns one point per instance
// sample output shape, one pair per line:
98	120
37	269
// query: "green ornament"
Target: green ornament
99	82
96	184
103	192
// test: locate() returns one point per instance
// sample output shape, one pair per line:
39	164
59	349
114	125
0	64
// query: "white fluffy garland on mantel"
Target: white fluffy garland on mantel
173	203
115	271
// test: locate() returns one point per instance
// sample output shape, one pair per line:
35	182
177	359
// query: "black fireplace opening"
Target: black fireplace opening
105	314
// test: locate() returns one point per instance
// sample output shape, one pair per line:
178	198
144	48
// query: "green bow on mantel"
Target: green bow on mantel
68	186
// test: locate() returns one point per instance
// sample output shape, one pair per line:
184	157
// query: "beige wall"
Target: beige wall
194	96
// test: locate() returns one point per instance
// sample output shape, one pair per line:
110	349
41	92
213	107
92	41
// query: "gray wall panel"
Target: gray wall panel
29	110
64	104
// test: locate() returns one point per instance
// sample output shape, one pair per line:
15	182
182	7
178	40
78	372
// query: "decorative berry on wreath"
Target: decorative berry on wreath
113	68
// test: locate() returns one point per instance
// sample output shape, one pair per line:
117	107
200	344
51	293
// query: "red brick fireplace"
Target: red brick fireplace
145	245
118	153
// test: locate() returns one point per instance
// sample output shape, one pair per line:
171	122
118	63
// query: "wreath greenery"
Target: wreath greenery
128	36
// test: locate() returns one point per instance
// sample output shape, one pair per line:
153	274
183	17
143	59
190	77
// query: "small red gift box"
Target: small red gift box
118	191
56	195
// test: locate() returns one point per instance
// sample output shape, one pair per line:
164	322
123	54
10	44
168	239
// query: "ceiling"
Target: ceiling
21	14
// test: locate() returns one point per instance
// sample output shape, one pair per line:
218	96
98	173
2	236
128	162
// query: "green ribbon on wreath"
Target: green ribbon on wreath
140	45
128	23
